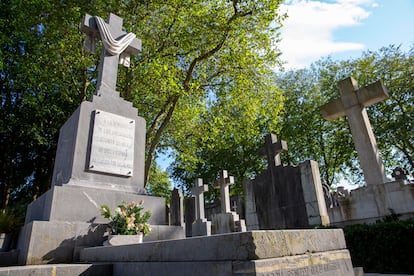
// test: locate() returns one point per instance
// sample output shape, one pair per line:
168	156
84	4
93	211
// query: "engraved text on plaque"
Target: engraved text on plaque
112	149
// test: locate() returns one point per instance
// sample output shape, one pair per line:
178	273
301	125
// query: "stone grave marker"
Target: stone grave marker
272	150
227	221
201	227
352	103
177	208
99	160
284	196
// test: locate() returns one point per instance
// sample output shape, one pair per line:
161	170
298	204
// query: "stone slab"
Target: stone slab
81	204
43	242
173	268
336	262
60	269
375	202
242	246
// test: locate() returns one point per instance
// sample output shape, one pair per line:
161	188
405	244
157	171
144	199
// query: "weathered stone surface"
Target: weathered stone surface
75	204
375	202
173	268
235	246
250	203
337	262
60	269
313	193
73	152
165	232
351	103
177	208
279	199
44	242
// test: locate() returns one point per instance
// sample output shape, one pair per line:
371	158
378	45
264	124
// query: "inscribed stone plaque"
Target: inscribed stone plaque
112	149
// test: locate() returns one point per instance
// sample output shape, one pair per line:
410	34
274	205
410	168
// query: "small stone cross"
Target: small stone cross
108	65
234	206
272	150
198	193
352	103
223	183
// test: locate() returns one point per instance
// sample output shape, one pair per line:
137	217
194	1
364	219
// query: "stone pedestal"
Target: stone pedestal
201	227
67	217
73	157
275	252
227	223
81	204
375	202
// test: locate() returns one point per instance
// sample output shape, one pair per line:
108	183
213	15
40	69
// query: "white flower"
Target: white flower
118	210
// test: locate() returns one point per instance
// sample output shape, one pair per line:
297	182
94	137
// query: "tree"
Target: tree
195	51
311	137
192	50
159	183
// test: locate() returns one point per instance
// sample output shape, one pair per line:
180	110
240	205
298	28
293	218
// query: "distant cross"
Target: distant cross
234	206
223	183
118	45
352	103
198	192
272	150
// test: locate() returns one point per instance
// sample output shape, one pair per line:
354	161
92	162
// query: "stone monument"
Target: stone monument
352	103
200	227
227	221
99	160
284	197
379	198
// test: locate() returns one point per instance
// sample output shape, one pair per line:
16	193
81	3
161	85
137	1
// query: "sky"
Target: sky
343	29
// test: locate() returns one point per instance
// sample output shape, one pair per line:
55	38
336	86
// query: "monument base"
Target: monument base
67	219
273	252
81	204
374	202
43	242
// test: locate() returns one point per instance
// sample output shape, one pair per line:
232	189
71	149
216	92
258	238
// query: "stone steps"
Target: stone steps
58	269
264	252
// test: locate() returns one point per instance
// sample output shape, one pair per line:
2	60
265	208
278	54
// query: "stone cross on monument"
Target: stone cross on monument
352	103
118	45
200	227
223	183
272	150
198	193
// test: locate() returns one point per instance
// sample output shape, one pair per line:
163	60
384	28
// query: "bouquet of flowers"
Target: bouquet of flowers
129	218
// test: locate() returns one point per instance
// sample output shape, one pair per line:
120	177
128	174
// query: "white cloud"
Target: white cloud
307	32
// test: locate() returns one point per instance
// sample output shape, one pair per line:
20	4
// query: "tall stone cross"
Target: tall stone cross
198	193
352	103
223	183
272	150
118	45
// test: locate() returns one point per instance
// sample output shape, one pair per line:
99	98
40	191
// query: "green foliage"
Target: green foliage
129	219
8	222
192	51
159	183
309	136
384	247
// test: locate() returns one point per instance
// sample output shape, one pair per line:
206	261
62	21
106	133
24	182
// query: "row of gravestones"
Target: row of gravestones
281	197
